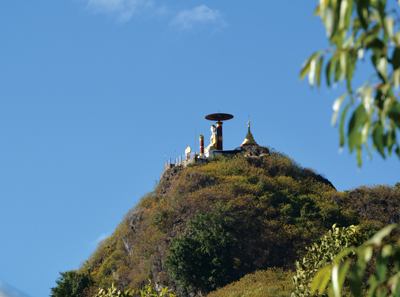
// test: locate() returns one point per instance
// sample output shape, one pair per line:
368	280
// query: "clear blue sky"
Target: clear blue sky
93	93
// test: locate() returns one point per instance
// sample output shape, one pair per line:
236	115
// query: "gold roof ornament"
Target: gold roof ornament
249	140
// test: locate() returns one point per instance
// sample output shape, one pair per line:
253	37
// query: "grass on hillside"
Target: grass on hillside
273	282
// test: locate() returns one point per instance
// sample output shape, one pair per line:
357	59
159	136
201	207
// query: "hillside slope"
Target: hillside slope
276	208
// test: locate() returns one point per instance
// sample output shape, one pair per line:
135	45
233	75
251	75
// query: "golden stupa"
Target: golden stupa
249	140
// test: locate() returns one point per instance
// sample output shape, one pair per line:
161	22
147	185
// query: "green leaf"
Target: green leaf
396	58
393	284
377	238
389	24
328	20
311	73
377	136
384	88
317	11
362	11
338	71
343	254
368	100
328	72
339	272
356	277
343	65
396	37
334	18
382	262
336	107
341	128
373	285
374	43
344	7
390	140
394	113
351	65
396	78
318	71
358	118
364	132
381	9
305	68
321	279
382	67
359	162
329	69
344	267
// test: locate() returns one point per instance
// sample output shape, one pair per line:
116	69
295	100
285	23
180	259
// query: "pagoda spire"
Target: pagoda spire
249	140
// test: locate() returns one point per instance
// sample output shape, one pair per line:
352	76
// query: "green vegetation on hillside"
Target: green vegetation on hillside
265	210
273	282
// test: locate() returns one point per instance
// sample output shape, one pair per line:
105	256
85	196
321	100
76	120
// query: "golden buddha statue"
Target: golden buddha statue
213	139
249	140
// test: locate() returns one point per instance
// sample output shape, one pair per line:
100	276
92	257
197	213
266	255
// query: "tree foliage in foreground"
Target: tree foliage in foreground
323	253
384	282
358	29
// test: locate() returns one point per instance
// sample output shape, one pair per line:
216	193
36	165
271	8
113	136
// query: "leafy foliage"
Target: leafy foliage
384	282
273	282
358	28
71	284
113	292
204	258
322	254
148	291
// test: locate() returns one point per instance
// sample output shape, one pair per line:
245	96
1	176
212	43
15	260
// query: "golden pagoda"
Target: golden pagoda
249	140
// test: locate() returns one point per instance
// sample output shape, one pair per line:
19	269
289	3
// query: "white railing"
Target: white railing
173	161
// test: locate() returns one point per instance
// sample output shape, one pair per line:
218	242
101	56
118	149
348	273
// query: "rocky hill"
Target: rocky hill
264	207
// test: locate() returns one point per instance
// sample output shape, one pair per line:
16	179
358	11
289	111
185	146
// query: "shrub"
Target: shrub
203	259
319	255
71	284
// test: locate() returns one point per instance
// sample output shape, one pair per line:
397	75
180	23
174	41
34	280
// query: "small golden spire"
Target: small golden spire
249	140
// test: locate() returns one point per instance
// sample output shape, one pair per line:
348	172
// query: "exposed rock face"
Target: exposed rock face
256	151
167	176
134	219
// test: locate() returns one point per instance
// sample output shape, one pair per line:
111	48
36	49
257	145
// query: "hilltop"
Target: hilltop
263	206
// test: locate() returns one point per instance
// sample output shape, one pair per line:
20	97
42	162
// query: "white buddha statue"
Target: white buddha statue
213	139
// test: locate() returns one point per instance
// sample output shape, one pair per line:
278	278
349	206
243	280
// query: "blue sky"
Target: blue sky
94	94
